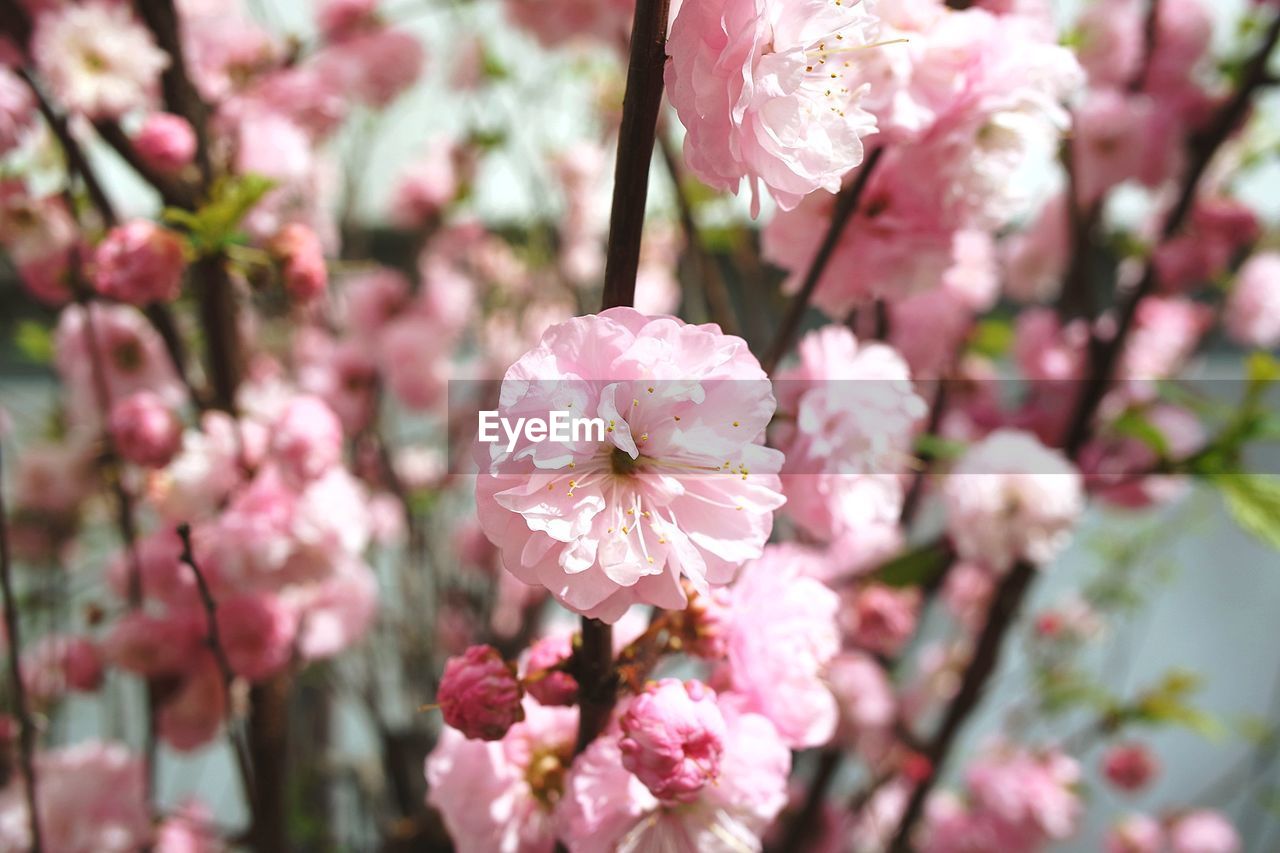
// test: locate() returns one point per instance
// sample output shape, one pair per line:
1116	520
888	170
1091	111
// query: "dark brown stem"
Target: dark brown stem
174	193
915	493
635	150
845	207
268	745
986	656
1104	353
804	824
217	303
706	267
1150	32
592	667
27	729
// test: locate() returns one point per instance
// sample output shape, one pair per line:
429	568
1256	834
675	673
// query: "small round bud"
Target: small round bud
1130	766
480	694
550	686
166	142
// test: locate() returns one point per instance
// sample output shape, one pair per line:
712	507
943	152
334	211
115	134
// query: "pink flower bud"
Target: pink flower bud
145	431
302	261
139	262
480	695
1203	831
706	622
673	735
550	688
1130	766
166	142
307	439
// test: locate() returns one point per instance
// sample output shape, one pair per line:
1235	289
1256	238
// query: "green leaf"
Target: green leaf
1254	502
1263	367
914	568
992	338
929	446
1134	424
34	341
217	223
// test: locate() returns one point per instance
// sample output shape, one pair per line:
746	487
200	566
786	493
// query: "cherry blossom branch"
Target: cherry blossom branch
180	94
1104	353
846	206
635	150
27	729
707	268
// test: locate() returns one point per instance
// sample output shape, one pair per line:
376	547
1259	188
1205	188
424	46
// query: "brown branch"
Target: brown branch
803	826
27	729
180	94
1150	33
635	150
846	205
172	192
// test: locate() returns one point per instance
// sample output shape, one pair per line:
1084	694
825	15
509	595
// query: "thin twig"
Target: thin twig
846	206
27	729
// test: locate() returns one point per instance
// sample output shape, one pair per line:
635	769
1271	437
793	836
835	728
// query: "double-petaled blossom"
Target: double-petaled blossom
768	92
852	415
144	430
672	739
679	487
97	58
139	262
605	807
1010	498
501	795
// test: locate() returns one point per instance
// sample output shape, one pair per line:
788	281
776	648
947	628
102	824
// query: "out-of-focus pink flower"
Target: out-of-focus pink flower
151	645
863	692
139	262
884	618
967	593
34	229
257	632
337	612
60	663
1130	766
339	19
1220	227
302	257
480	694
1010	498
1114	467
164	577
144	430
432	182
561	21
540	681
1112	44
1137	833
766	93
373	299
205	471
53	477
189	829
374	66
413	355
604	804
672	739
1165	333
192	715
1253	308
678	488
499	795
855	412
17	111
306	440
165	142
91	798
1109	142
782	634
1047	351
97	58
1203	831
1035	259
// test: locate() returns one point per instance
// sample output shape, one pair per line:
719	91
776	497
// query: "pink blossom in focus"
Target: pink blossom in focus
144	430
604	804
679	488
1203	831
781	635
97	58
1010	498
165	142
1130	766
480	694
91	798
765	91
672	739
1252	315
500	795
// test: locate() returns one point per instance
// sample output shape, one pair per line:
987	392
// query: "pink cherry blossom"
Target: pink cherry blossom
193	714
306	440
556	22
864	694
550	687
97	58
1130	766
166	142
781	635
1253	309
145	431
257	632
884	618
338	19
854	413
604	804
91	798
766	93
499	795
672	739
432	183
679	488
1203	831
1165	334
302	257
17	111
152	645
1010	498
1036	257
139	262
480	694
1137	833
59	663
